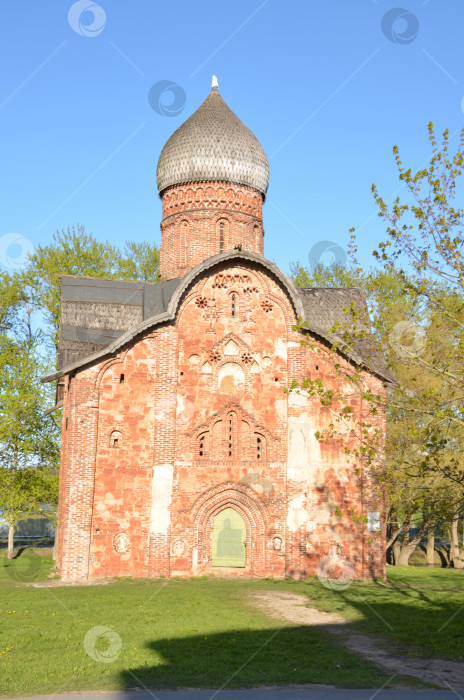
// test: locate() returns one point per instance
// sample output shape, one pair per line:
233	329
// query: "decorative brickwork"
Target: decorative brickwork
201	423
205	218
184	452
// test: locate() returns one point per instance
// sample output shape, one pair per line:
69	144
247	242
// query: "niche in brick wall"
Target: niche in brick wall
116	439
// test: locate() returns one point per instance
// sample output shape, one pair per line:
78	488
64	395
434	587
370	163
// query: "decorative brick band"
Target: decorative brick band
204	219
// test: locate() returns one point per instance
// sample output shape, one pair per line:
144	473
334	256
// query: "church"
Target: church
185	449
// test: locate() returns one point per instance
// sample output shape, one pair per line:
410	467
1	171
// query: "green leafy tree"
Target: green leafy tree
424	246
417	500
29	449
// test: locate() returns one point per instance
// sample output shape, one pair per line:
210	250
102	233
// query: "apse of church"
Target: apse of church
183	451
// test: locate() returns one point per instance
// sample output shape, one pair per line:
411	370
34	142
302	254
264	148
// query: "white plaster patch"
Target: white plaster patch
297	513
195	558
281	348
298	398
160	519
314	446
281	408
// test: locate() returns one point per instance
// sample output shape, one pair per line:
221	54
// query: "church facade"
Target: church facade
184	452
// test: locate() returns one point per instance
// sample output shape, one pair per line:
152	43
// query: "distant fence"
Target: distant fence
31	527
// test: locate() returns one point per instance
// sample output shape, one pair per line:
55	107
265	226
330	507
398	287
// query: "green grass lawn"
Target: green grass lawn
204	632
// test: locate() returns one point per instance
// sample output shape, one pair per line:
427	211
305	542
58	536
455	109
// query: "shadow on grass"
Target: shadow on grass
280	655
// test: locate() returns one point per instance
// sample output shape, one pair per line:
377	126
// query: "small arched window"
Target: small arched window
223	230
184	231
231	434
260	447
221	236
203	445
258	237
233	304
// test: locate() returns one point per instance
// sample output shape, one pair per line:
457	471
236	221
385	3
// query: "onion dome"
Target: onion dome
213	144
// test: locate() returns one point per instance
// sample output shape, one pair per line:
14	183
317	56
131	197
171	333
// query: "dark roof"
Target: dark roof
95	312
327	312
116	312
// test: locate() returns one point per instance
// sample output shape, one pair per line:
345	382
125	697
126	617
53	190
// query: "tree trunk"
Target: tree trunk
456	553
10	550
404	554
396	548
431	548
54	549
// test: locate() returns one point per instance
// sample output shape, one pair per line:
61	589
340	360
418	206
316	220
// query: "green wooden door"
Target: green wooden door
229	538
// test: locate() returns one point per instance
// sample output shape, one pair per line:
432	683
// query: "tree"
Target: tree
416	501
29	449
424	247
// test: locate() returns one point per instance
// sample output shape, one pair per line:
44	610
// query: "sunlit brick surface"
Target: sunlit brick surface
192	417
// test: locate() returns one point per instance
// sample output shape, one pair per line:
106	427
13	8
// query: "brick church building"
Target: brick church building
182	452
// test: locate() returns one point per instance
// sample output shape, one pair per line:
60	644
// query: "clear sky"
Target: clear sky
328	87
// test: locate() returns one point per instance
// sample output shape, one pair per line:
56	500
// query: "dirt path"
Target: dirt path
380	652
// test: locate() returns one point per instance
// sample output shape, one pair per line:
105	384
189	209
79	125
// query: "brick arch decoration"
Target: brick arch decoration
246	502
119	359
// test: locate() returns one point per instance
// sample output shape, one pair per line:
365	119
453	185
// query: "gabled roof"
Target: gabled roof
327	313
318	309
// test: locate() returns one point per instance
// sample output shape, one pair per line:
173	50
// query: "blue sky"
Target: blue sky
326	90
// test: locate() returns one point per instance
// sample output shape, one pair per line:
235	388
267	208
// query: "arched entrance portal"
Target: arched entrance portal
229	539
247	505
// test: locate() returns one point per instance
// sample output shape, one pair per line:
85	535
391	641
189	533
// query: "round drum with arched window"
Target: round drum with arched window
229	539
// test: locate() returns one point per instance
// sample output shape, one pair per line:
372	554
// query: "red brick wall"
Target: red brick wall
205	218
186	403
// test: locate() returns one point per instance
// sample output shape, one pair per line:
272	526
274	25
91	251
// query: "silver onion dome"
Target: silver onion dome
213	144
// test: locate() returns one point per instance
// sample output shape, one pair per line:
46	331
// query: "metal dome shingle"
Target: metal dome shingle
213	144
